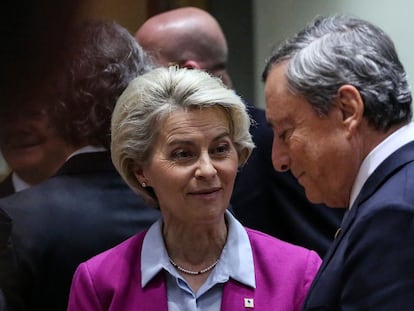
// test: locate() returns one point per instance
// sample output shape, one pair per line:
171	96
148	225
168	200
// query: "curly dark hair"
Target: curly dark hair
98	61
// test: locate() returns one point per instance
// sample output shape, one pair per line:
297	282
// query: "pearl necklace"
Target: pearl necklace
194	272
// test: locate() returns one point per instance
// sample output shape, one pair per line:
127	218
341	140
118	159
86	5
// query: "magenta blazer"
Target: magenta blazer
112	280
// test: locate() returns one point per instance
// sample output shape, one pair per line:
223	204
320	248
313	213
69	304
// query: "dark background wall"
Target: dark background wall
236	19
34	31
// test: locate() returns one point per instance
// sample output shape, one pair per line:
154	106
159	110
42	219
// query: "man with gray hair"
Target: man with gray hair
339	103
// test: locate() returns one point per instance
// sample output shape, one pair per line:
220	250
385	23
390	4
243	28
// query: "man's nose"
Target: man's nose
280	157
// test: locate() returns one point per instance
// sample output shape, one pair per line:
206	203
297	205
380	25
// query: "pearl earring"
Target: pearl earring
144	184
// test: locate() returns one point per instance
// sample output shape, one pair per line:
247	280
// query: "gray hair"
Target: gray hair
338	50
150	98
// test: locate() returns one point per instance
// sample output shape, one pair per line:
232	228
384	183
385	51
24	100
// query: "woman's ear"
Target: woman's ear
243	156
351	106
139	174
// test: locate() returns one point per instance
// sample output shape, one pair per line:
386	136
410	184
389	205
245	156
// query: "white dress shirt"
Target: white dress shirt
393	142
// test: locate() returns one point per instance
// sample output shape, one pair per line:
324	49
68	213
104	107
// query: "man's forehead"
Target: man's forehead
275	85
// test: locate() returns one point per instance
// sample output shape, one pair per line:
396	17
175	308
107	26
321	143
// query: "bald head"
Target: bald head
189	37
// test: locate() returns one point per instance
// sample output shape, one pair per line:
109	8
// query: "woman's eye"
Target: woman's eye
181	154
221	149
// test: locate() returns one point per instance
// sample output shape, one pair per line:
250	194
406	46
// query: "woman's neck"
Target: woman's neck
196	245
195	250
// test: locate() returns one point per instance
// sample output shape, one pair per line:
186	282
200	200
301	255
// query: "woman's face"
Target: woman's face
193	166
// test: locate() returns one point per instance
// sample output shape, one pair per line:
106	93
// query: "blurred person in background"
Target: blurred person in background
31	146
30	61
85	207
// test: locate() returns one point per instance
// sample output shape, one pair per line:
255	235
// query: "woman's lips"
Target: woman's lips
206	193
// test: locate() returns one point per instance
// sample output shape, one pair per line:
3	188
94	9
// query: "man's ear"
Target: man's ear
191	64
352	107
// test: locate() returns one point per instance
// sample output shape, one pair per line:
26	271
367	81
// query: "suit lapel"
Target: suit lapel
387	168
347	221
86	163
5	229
6	186
390	165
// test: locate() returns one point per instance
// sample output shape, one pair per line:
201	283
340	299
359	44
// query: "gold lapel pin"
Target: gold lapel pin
337	232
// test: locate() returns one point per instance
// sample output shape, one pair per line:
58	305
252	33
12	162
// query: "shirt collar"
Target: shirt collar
18	183
393	142
87	149
236	260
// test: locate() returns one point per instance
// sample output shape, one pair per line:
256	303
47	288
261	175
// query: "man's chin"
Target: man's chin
314	199
23	161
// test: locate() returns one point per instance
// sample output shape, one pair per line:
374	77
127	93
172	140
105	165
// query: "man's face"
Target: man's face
315	148
30	145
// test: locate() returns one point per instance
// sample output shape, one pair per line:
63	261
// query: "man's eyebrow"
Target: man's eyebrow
272	123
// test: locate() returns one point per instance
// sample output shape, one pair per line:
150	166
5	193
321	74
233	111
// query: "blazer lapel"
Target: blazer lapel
154	295
237	296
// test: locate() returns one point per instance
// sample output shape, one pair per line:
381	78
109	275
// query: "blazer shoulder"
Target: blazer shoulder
284	253
286	269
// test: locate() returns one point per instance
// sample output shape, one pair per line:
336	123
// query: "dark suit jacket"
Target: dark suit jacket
370	264
275	202
7	187
83	210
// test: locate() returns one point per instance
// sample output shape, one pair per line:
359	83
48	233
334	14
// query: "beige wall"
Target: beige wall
128	13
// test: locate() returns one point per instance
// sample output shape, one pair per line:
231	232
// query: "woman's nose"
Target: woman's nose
205	168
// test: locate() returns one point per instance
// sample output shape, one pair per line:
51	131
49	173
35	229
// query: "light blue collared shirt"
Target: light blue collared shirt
236	262
393	142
